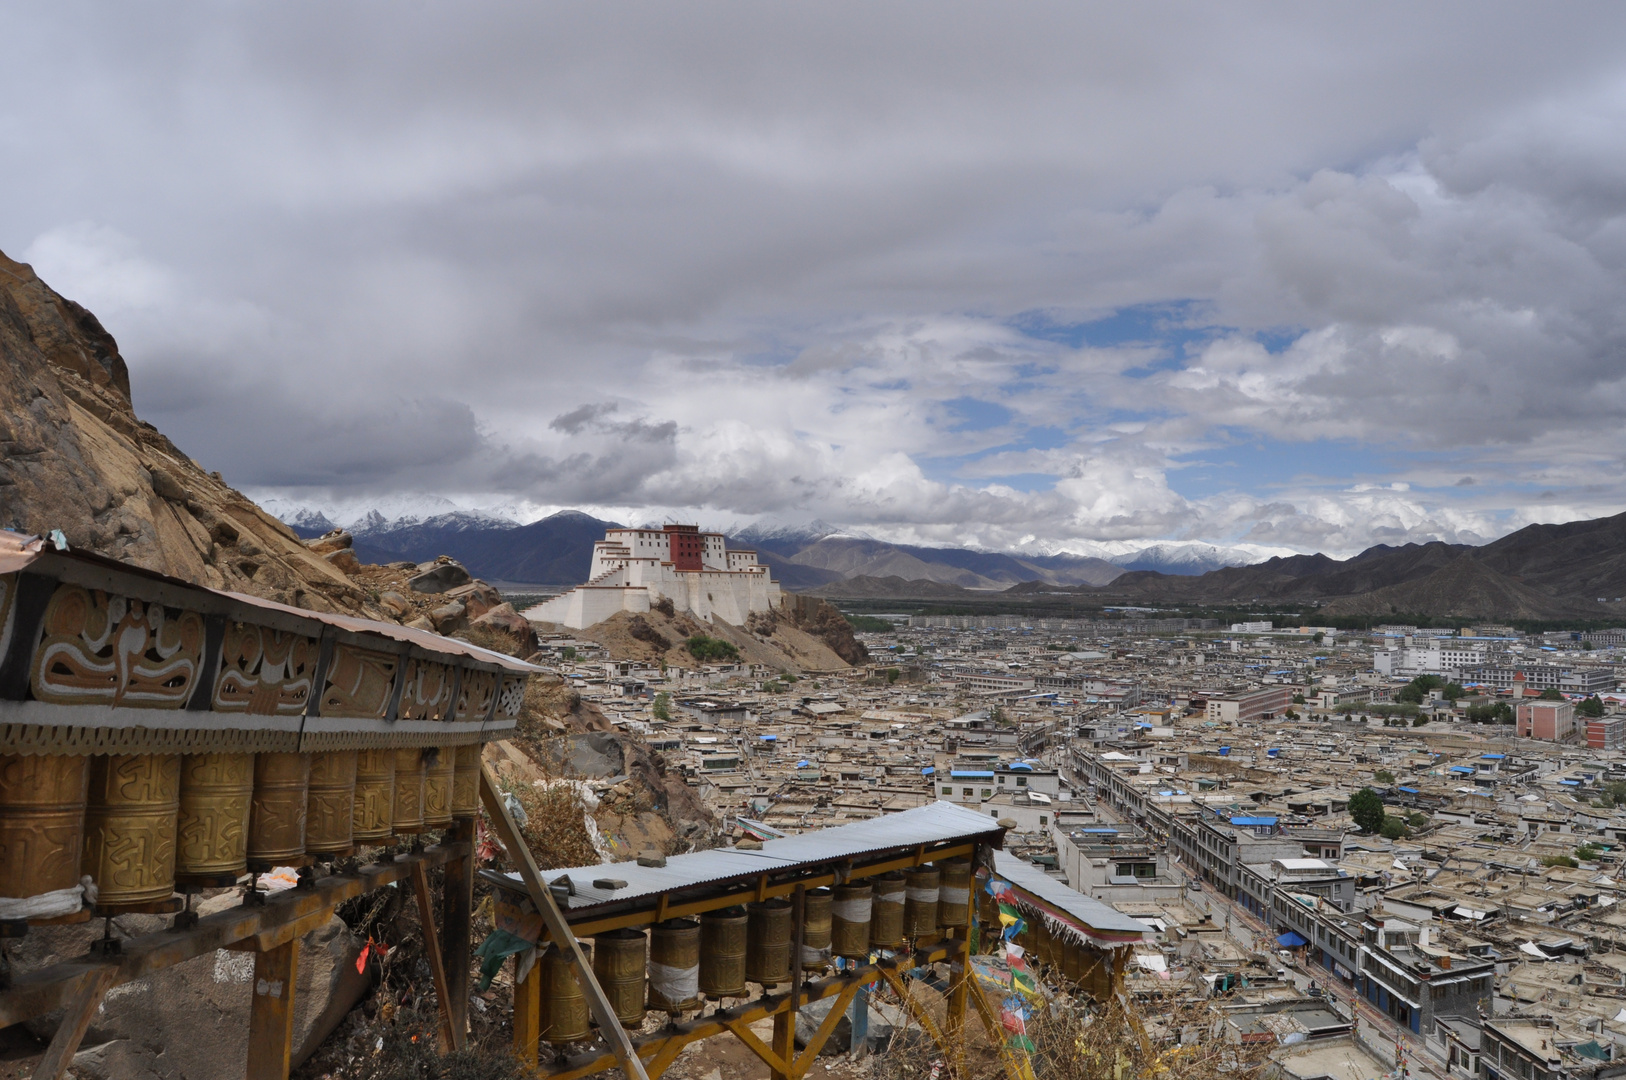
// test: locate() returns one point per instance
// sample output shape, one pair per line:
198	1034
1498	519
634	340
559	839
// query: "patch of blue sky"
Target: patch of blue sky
1174	326
1252	464
974	414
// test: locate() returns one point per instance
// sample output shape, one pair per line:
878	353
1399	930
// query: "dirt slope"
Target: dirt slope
641	637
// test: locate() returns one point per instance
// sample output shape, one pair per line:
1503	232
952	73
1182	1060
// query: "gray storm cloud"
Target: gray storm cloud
747	260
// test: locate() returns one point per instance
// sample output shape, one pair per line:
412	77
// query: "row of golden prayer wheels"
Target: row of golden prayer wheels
142	825
670	967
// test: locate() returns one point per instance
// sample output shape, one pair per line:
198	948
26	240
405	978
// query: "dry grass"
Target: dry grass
555	828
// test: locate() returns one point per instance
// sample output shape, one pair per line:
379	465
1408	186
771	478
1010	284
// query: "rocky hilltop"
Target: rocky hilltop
74	456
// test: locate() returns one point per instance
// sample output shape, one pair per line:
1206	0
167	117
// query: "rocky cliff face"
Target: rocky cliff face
74	457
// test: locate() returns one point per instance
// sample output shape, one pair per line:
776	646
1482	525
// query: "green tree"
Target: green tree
1559	860
1319	637
1298	699
662	707
1384	776
705	648
568	652
1419	721
892	675
1366	808
1592	706
1551	695
1393	828
1454	691
1416	820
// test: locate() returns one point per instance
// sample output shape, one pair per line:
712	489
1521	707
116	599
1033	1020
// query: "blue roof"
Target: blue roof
1290	940
1463	768
1571	783
1493	757
1099	829
768	738
928	770
1408	790
1253	821
1020	765
971	774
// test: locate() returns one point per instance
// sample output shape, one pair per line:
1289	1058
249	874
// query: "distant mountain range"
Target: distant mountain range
557	551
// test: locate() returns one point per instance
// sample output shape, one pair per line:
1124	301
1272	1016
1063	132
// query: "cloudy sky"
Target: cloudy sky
1299	276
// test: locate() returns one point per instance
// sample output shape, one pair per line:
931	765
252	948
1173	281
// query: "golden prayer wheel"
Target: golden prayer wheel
954	893
466	781
211	831
564	1008
1071	961
276	821
409	785
767	942
439	763
42	822
849	920
674	965
921	886
374	814
722	953
886	914
618	961
816	929
130	810
330	817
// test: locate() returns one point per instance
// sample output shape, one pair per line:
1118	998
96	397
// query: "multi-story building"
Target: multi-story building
1606	733
1584	681
1551	721
1415	982
1254	705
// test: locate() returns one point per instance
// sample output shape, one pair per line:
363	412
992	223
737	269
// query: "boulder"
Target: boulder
503	617
596	754
336	540
476	597
394	602
344	559
448	617
152	1026
438	577
421	623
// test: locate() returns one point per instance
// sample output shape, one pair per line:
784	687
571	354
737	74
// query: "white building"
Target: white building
634	569
1436	658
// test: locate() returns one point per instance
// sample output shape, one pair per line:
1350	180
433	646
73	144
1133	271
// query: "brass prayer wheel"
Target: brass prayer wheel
439	764
330	814
276	820
886	915
767	942
466	782
674	965
722	953
954	893
42	822
564	1008
373	817
1071	960
409	785
849	920
130	810
618	961
921	886
816	927
211	831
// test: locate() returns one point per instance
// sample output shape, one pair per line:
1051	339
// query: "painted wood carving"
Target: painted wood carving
428	692
475	699
98	649
512	698
264	672
359	683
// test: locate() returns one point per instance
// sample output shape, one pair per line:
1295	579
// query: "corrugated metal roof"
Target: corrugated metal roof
930	824
1087	910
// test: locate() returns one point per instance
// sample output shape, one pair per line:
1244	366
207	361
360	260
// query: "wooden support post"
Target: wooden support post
776	1061
456	942
450	1038
558	929
75	1022
961	981
527	1013
996	1034
916	1009
810	1052
271	1014
784	1023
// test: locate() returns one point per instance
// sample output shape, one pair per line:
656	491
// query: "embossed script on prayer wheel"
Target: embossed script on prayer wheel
374	813
921	886
329	809
564	1008
816	930
130	812
767	942
409	784
439	765
722	953
618	961
886	916
211	833
850	912
42	822
466	782
954	894
276	821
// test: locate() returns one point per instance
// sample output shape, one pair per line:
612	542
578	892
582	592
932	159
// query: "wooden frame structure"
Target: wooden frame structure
647	1057
271	931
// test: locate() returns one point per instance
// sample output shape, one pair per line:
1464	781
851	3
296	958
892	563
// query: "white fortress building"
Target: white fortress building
634	569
